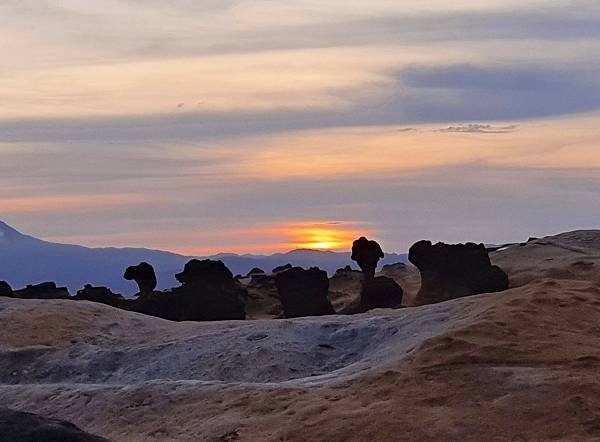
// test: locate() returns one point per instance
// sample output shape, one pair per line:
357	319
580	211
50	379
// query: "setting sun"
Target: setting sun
321	235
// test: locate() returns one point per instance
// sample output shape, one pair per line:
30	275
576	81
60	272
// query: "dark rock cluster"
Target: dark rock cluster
209	292
45	290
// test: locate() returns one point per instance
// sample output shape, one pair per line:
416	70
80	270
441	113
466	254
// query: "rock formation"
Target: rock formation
143	274
255	271
99	294
343	270
205	272
367	254
18	426
5	289
283	268
45	290
380	292
208	293
454	271
304	292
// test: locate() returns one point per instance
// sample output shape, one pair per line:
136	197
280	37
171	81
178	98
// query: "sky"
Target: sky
257	126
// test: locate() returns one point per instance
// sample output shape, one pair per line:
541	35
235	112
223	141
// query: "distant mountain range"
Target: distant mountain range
28	260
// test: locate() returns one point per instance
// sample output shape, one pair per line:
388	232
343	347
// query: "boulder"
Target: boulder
45	290
283	268
18	426
380	292
143	274
205	272
304	292
255	271
454	271
367	254
344	270
5	289
102	295
197	302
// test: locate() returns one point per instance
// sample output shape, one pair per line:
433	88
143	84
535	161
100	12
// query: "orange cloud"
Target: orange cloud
63	203
265	238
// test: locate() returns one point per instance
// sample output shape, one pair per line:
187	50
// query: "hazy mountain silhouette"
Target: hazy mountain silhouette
28	260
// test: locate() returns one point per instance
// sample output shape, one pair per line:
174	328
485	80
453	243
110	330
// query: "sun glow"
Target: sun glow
321	235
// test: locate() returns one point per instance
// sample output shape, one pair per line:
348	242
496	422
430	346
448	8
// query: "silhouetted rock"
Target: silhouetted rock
393	267
205	272
208	293
99	294
143	274
304	292
380	292
5	289
18	426
255	271
346	269
283	268
454	271
45	290
367	254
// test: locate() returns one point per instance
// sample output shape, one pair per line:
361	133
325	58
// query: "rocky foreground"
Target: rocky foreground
521	364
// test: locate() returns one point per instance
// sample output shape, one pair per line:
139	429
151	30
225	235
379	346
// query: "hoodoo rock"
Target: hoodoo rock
367	254
454	271
143	274
304	292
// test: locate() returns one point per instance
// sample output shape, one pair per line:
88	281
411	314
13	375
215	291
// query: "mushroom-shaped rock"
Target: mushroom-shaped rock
367	254
28	427
380	292
454	271
143	274
102	295
205	272
45	290
304	292
5	289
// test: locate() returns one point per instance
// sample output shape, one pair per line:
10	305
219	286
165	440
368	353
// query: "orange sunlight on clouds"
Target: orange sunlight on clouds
262	238
321	235
62	203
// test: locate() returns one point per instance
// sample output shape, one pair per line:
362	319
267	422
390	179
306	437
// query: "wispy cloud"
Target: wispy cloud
475	128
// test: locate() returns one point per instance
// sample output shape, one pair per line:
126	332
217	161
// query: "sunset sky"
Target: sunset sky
261	126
